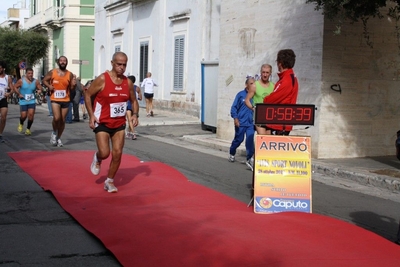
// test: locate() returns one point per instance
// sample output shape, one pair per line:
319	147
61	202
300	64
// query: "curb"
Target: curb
365	178
360	176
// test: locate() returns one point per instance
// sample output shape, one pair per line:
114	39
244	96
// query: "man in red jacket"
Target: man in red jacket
285	90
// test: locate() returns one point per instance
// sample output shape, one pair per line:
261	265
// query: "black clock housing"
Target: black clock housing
287	114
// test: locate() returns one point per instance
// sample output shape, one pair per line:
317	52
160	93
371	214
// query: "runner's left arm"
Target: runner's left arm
39	86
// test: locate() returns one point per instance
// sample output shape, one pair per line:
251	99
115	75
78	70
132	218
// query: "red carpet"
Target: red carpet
159	218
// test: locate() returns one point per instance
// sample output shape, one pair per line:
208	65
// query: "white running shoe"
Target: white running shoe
110	187
250	163
59	143
95	166
231	158
53	140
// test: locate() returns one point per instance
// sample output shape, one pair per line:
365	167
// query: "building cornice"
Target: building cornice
117	31
115	5
55	24
184	15
81	20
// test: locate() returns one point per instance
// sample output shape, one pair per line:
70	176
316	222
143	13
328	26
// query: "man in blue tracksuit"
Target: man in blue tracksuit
243	120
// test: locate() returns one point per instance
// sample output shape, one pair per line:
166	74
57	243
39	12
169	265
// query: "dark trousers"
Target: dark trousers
240	132
75	108
49	105
68	119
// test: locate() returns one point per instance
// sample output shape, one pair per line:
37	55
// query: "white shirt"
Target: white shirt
148	85
3	86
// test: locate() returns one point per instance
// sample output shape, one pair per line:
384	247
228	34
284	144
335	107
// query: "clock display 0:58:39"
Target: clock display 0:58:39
285	114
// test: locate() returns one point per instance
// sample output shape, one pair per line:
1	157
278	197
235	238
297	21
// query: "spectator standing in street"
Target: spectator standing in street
148	88
68	118
131	129
111	91
60	83
48	101
82	100
285	90
243	122
26	88
6	89
77	99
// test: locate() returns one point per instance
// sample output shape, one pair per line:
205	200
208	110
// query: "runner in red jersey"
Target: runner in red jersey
111	102
111	91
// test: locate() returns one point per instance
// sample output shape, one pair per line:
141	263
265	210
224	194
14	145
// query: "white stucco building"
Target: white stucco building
16	16
170	39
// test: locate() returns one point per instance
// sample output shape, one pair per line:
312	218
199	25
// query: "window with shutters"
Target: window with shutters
179	62
117	48
144	60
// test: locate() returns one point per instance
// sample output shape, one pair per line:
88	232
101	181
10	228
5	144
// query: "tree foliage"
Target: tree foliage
353	10
22	45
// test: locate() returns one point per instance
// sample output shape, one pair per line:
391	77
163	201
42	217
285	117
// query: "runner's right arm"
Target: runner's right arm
96	86
47	81
18	85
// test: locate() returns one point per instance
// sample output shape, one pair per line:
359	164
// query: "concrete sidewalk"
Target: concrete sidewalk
376	171
381	172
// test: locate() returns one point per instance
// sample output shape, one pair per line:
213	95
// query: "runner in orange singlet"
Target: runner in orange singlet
60	82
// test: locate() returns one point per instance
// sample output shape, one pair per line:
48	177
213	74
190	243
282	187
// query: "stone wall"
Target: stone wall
363	119
252	32
188	108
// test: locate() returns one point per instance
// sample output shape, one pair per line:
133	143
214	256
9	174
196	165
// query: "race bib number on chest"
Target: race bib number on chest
60	93
117	109
29	97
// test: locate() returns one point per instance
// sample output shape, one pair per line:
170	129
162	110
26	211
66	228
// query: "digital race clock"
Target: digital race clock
288	114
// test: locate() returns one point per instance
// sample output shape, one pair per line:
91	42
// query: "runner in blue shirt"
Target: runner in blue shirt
26	89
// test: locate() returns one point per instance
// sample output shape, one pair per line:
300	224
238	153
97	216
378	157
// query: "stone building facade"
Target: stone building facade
362	119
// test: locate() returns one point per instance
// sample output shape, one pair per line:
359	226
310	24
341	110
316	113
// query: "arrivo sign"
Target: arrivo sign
289	114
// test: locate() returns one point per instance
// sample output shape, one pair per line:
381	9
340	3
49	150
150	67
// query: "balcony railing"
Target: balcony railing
53	15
